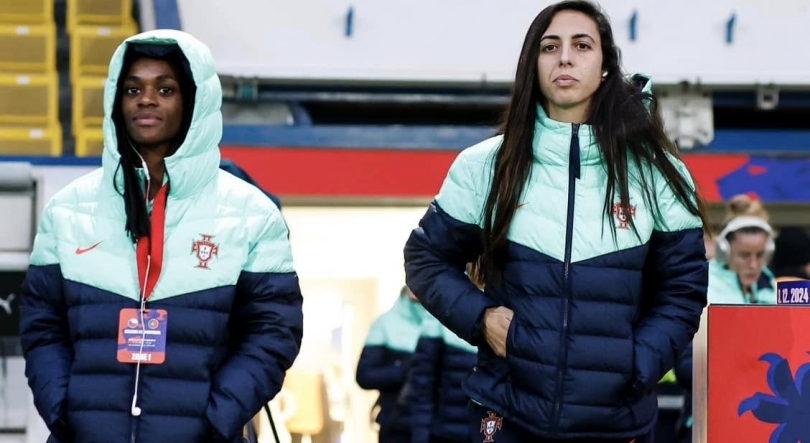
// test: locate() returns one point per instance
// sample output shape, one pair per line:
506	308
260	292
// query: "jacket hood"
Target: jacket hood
196	161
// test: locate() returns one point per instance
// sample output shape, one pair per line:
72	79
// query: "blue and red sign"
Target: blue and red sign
361	172
759	374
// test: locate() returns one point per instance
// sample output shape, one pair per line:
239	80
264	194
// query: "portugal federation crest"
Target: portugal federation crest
623	215
491	425
205	250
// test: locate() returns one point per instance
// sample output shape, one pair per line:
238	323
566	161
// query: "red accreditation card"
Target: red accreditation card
142	337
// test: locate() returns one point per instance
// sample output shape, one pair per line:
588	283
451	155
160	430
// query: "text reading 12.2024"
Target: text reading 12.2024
794	296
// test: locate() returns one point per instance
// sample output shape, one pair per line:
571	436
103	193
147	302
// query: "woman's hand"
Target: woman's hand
496	328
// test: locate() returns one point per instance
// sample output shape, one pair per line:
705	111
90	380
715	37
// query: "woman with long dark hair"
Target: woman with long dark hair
588	233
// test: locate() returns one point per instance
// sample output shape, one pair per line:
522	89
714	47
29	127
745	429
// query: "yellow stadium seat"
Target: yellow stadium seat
28	48
91	48
27	11
88	102
29	100
31	141
89	142
113	13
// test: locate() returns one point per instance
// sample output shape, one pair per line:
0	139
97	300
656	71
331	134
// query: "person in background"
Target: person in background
792	255
739	273
589	232
440	363
385	362
438	403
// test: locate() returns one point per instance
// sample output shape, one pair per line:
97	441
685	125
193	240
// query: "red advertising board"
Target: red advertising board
397	173
758	374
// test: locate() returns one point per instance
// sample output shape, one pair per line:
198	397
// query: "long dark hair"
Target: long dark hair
626	124
138	222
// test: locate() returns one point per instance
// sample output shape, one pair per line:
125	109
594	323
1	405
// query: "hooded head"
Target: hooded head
154	99
187	121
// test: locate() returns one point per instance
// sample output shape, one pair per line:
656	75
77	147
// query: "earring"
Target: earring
604	74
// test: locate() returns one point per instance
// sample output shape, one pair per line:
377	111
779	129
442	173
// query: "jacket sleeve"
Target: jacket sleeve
267	321
423	380
44	330
375	369
676	283
448	237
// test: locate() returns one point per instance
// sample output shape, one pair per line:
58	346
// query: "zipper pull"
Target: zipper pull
574	167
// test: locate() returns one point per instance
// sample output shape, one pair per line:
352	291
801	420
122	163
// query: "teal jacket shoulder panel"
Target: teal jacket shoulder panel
82	230
78	196
433	329
399	327
672	214
466	187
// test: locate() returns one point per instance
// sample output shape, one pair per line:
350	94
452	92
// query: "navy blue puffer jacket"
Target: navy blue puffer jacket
597	320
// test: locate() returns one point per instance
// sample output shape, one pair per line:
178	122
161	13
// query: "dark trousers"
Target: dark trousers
488	426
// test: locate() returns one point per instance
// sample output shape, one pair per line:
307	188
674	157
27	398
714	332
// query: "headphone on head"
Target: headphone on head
742	222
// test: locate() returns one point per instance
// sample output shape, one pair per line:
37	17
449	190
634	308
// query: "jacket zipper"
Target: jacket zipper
134	419
133	430
573	175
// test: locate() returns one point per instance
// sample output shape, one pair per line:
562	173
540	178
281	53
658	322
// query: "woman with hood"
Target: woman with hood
161	303
589	234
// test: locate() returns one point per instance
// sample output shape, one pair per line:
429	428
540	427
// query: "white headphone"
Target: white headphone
742	222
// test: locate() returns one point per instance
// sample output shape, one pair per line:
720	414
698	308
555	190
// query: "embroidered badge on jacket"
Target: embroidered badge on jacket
491	425
205	250
623	215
